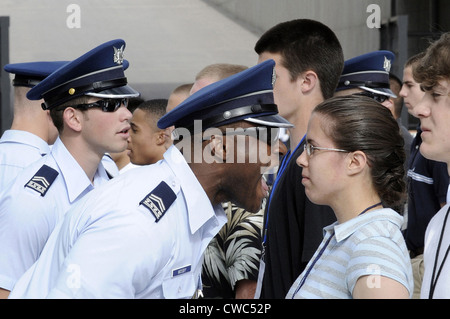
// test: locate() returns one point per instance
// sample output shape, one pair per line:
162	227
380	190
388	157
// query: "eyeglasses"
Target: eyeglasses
309	149
377	97
269	135
107	105
264	134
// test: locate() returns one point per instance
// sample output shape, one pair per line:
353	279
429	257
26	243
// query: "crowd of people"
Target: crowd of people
106	194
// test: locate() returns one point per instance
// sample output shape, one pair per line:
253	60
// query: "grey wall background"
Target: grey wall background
347	18
169	41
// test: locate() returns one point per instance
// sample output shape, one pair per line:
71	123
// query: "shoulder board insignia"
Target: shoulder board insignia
42	180
159	200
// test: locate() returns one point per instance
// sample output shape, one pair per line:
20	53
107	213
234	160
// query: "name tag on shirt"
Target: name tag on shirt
180	271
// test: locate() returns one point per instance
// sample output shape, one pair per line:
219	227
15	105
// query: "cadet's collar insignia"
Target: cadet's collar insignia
42	180
118	55
159	200
387	64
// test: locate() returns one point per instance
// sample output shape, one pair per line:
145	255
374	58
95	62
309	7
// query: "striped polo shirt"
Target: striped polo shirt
370	244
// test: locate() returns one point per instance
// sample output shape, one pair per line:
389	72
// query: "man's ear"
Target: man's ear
73	118
357	162
309	80
217	147
161	137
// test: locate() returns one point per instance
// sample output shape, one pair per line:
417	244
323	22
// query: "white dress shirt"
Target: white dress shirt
27	216
18	149
111	245
435	256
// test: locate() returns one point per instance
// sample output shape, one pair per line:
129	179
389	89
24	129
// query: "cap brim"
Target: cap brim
381	91
271	120
120	92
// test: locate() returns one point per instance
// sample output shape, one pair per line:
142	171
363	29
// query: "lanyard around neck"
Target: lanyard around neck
434	276
284	163
302	282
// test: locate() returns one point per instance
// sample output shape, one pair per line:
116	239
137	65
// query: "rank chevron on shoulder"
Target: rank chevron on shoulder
159	200
42	180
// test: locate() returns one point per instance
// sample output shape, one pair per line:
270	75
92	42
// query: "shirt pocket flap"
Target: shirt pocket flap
179	287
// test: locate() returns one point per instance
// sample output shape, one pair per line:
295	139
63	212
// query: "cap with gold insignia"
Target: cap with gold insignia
369	72
30	74
97	73
247	95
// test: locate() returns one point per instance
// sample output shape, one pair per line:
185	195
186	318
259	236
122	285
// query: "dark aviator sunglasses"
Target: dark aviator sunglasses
107	105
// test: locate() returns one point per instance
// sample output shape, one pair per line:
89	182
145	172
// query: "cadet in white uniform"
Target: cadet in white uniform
32	130
86	99
34	203
111	245
143	234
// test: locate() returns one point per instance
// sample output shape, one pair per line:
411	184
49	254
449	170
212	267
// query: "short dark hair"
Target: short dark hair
134	102
154	107
56	113
306	45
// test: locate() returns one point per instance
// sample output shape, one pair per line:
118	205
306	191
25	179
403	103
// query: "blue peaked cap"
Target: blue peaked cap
247	95
369	72
98	73
30	74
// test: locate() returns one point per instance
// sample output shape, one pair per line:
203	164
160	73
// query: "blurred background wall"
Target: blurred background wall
169	41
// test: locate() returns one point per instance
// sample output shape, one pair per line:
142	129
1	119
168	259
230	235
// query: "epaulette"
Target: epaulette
42	180
159	200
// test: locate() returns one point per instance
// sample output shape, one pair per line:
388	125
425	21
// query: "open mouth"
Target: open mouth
124	131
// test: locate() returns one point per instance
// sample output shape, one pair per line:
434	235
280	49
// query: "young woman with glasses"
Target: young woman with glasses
353	162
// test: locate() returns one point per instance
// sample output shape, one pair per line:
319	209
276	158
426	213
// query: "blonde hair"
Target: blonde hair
220	70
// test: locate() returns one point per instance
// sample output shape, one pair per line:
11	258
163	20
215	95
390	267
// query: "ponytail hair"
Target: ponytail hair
356	123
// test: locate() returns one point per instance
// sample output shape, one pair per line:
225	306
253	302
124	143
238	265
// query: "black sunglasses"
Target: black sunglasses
107	105
377	97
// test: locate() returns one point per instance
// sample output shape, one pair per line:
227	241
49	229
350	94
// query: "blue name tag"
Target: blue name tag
180	271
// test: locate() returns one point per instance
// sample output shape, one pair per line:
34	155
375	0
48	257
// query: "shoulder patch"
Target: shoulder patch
42	180
159	200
